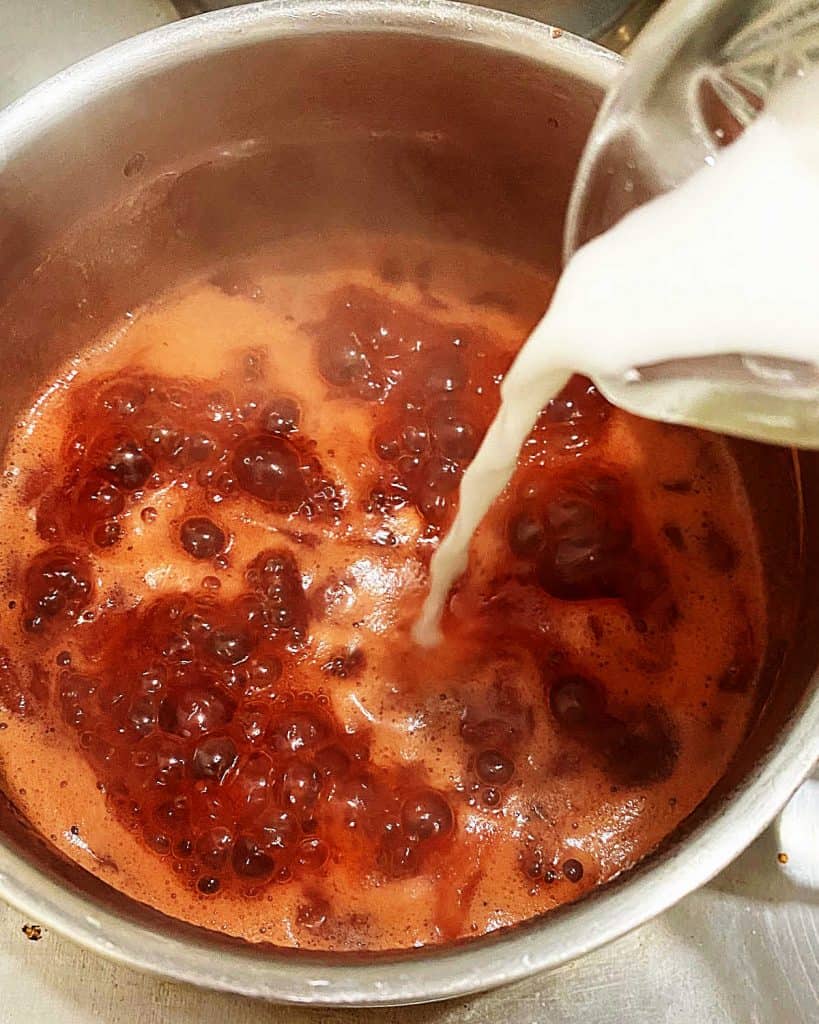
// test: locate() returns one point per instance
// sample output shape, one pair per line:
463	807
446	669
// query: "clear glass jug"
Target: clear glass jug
699	73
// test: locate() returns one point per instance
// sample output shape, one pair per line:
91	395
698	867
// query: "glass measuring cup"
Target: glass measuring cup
697	76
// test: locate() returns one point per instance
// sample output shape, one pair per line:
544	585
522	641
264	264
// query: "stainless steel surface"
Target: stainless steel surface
613	22
39	37
52	133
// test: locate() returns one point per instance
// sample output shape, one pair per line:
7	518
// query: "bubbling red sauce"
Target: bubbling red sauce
216	532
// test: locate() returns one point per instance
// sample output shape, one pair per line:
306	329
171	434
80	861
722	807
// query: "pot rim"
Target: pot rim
477	965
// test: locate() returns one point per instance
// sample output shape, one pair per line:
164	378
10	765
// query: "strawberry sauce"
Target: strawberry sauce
217	525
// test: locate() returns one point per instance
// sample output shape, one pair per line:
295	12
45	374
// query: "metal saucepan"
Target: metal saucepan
468	123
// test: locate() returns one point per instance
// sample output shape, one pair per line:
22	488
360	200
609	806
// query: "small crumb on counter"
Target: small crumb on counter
33	932
782	858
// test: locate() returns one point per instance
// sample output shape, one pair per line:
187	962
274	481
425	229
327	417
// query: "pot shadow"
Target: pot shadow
781	866
754	876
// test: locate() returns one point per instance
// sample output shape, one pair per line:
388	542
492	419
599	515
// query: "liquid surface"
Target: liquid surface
217	527
719	267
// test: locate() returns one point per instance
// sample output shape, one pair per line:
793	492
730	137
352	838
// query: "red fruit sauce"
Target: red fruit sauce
216	535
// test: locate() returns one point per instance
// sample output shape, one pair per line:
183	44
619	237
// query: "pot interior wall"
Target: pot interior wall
393	132
387	131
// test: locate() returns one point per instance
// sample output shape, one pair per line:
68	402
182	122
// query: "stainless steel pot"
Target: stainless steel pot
259	121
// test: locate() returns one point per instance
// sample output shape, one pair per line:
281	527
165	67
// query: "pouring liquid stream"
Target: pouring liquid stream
723	271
